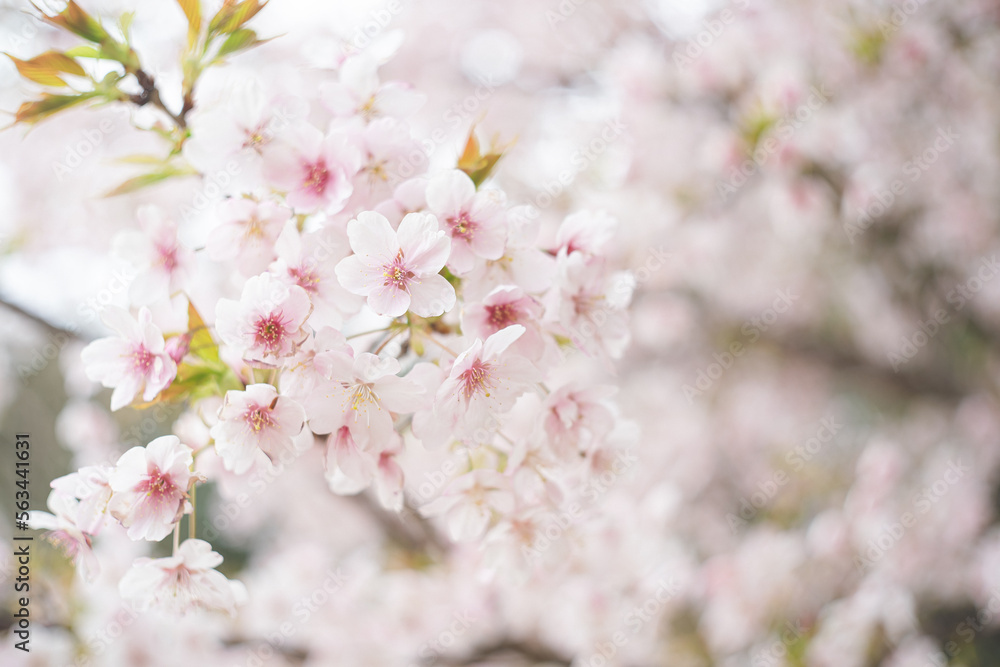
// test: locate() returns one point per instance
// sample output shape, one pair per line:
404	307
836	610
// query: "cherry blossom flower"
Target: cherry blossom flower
150	487
91	486
133	362
475	221
389	151
501	308
577	417
247	234
351	468
308	260
183	582
362	395
163	265
522	264
314	170
470	501
590	305
588	232
253	421
358	92
63	532
267	322
398	271
237	128
483	383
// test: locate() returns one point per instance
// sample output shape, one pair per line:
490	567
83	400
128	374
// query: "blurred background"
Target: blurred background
808	198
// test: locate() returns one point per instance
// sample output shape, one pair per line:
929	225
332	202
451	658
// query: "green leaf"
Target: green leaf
84	51
146	180
192	10
238	40
232	15
32	112
476	164
43	69
126	23
201	373
78	22
141	159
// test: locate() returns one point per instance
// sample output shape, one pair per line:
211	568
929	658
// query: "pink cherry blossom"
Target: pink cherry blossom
90	485
133	362
163	264
501	308
362	395
63	532
470	502
588	232
398	270
253	421
150	487
351	468
578	417
183	582
523	263
483	384
590	305
267	322
359	93
308	260
475	221
314	170
247	233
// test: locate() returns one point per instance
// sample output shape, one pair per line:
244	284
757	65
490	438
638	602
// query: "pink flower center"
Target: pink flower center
502	315
316	177
462	226
167	256
396	274
477	378
157	486
256	137
259	418
305	278
270	332
142	360
62	540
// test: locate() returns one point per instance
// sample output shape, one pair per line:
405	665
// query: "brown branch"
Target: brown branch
38	319
532	652
151	95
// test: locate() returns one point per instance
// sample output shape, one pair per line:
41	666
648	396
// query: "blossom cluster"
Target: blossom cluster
355	311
